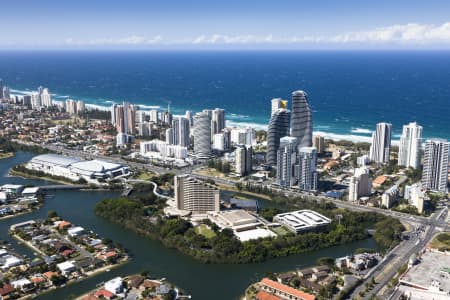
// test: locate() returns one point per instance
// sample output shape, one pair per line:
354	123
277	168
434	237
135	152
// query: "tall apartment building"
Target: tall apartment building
180	126
319	144
243	160
435	165
217	120
410	144
307	174
278	103
286	160
301	119
360	184
195	196
123	117
278	128
202	135
380	148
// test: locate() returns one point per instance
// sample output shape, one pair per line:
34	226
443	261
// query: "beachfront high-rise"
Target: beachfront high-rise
123	117
217	120
202	135
194	195
410	144
380	148
46	98
278	103
286	159
278	128
435	165
301	119
307	174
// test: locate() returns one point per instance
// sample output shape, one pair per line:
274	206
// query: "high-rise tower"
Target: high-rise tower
410	143
278	128
301	119
381	143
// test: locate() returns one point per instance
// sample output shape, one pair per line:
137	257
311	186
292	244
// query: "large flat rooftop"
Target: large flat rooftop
436	266
302	220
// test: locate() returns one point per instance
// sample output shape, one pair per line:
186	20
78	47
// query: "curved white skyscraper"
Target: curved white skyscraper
301	119
202	135
278	128
410	143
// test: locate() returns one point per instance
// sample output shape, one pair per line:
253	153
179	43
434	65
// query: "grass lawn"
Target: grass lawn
205	231
441	241
145	176
280	230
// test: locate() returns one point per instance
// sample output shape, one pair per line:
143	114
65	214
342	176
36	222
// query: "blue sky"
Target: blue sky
198	24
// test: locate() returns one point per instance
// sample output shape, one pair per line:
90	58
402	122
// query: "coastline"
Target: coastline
234	119
7	155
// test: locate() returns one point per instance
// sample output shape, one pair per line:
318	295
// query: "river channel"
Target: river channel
202	281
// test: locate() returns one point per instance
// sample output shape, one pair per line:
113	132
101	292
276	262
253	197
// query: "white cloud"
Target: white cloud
412	34
229	39
408	34
131	40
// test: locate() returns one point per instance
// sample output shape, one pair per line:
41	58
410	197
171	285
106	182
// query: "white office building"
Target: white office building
302	221
380	148
410	144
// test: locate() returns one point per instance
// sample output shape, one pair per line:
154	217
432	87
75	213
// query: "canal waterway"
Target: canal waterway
202	281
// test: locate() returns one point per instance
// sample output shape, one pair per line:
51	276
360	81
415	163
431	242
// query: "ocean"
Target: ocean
349	91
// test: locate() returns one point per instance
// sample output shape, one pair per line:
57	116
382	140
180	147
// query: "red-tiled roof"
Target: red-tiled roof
103	293
6	289
64	224
37	279
50	274
266	296
286	289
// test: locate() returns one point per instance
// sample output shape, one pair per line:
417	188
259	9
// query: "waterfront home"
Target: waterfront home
66	267
283	291
23	284
6	290
114	285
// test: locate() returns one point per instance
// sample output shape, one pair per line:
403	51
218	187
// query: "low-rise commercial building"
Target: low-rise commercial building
75	168
302	221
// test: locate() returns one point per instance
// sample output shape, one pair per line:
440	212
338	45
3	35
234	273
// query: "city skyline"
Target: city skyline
231	25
